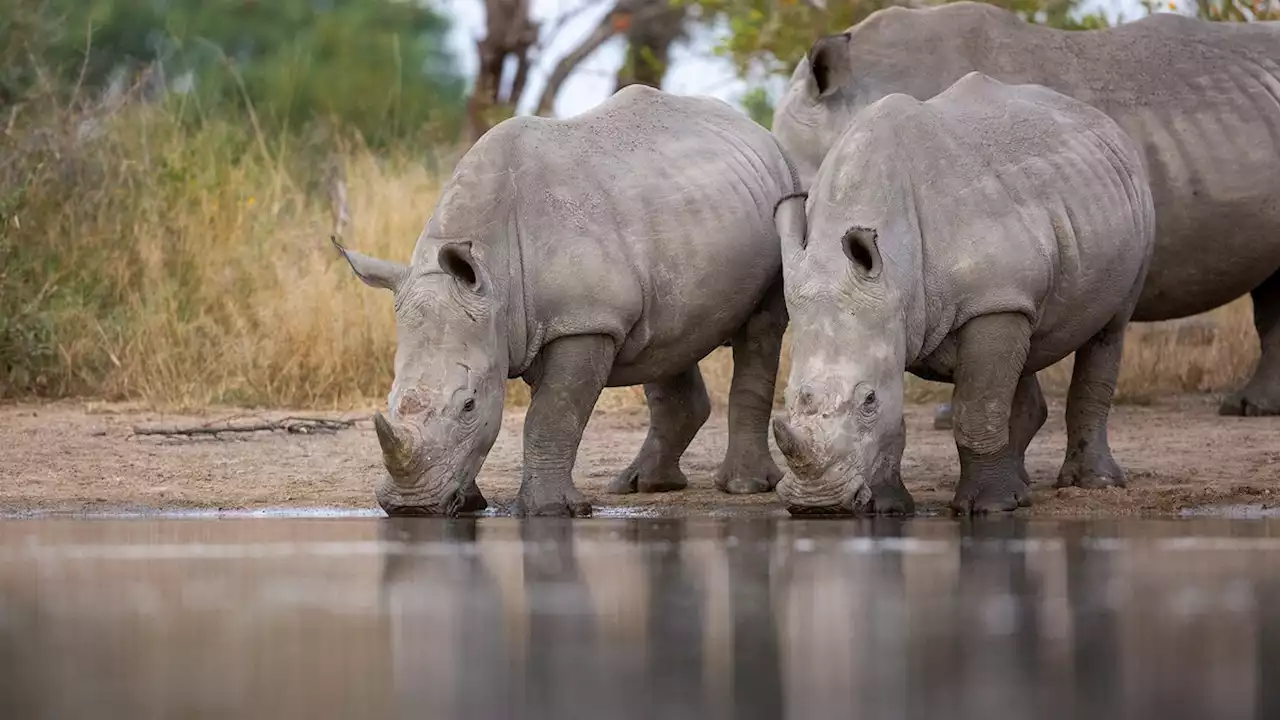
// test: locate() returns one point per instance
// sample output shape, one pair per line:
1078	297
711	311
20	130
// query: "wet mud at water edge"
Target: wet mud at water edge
1180	455
640	618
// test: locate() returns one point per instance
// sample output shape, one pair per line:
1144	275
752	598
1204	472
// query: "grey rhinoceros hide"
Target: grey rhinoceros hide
1200	99
974	238
616	247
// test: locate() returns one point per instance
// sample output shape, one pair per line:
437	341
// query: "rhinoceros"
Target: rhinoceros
616	247
973	238
1201	100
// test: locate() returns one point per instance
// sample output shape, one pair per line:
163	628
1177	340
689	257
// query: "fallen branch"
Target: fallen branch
293	425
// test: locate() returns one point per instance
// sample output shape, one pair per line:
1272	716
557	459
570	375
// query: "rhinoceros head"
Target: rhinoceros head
816	106
451	365
893	50
843	428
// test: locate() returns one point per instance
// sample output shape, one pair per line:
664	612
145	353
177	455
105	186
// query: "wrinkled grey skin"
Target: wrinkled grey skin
616	247
975	238
1199	98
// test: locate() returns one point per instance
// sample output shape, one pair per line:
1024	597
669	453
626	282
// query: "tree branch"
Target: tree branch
558	24
293	425
564	68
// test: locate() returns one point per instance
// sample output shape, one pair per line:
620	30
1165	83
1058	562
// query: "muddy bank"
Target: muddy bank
1179	453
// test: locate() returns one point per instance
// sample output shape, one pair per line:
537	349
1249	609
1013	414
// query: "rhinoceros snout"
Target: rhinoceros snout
397	503
832	501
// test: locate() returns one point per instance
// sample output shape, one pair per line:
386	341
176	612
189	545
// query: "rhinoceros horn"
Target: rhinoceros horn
397	443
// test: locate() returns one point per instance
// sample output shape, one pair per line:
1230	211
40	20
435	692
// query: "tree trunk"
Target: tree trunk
509	32
649	46
627	14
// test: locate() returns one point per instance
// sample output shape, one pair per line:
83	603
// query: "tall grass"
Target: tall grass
143	258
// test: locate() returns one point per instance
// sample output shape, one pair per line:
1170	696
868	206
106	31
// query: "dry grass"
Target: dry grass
184	267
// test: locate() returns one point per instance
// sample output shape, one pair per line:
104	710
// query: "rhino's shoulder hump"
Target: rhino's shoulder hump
951	17
975	84
877	134
638	101
978	91
1029	112
895	110
642	117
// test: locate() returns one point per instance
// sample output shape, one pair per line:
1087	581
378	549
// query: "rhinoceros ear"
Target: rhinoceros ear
830	63
862	248
372	271
457	260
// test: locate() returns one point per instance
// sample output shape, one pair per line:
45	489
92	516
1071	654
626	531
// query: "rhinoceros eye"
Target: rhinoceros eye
869	406
469	405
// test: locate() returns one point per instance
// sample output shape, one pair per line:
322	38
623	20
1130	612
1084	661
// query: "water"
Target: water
638	618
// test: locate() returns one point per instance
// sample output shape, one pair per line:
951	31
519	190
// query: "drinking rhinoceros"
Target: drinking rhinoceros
1201	100
973	238
617	247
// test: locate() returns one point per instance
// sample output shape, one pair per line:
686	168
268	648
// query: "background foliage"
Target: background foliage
376	67
164	168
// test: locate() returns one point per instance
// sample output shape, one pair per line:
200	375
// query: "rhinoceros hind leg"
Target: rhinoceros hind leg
992	353
748	465
1026	417
678	407
573	371
1261	395
1089	463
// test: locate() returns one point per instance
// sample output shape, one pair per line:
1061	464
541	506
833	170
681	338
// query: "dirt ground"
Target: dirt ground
78	457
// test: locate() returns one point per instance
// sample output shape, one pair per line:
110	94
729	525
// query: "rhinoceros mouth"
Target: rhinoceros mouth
851	497
447	504
413	511
825	511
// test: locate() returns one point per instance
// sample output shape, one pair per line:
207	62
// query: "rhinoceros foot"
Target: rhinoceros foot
470	500
1250	403
551	500
1090	470
891	498
989	483
747	475
643	477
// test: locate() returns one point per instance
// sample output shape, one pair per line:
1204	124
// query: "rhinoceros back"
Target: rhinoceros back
648	215
1021	199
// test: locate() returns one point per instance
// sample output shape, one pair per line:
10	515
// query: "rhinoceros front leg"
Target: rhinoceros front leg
889	494
678	407
748	466
1089	463
1026	417
991	356
1261	395
470	499
571	373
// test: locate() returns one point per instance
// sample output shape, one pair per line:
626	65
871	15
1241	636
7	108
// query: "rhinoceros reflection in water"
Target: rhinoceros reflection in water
755	618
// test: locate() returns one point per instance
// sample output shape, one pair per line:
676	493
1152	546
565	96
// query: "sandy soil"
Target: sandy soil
76	457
